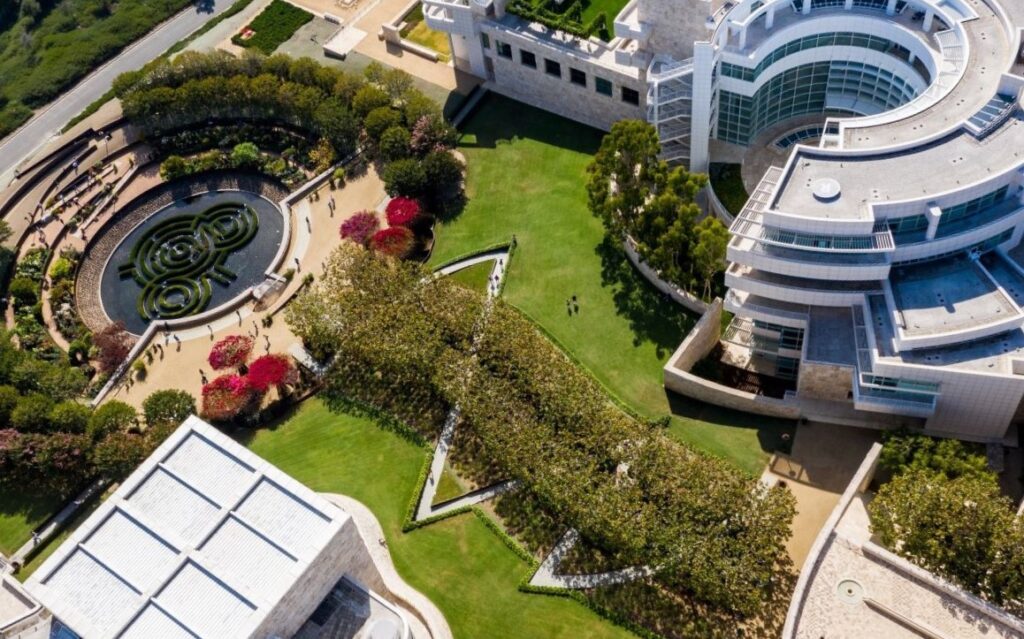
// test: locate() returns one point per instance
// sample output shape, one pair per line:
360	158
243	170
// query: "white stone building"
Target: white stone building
207	540
877	263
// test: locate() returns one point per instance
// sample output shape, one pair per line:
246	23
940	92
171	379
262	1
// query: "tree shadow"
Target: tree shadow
653	317
498	120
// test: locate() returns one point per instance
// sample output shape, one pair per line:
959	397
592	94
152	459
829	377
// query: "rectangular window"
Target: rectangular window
577	77
485	40
552	68
528	59
504	49
602	86
631	96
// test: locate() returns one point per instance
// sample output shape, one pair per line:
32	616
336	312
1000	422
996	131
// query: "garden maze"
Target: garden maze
176	261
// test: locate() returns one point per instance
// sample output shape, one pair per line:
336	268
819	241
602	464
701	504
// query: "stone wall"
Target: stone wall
556	93
701	339
676	24
345	554
825	381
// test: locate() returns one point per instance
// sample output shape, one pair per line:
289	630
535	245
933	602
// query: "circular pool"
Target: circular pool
190	256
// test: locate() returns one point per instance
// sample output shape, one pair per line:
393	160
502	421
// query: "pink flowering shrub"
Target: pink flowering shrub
360	227
402	210
395	241
272	370
231	352
226	397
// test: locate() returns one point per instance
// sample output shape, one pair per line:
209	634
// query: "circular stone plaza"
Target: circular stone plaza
875	272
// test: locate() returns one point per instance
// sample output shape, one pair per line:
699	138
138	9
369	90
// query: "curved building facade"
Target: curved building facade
878	262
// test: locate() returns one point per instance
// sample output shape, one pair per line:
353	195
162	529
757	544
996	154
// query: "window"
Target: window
485	40
528	59
504	49
631	96
602	86
578	77
552	68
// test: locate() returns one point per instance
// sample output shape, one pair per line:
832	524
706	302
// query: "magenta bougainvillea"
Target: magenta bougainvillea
226	397
231	352
402	211
360	227
395	241
272	370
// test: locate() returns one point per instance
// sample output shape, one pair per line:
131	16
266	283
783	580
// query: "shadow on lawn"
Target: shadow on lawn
652	317
499	120
773	434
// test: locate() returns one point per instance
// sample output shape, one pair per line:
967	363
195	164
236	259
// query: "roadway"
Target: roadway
49	120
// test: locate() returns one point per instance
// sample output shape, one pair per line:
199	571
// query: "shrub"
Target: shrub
245	155
904	452
432	133
69	416
62	268
118	454
394	144
444	174
113	345
360	227
405	177
369	98
111	417
226	397
9	397
32	413
402	210
272	371
339	176
23	291
231	352
380	120
168	407
395	241
173	168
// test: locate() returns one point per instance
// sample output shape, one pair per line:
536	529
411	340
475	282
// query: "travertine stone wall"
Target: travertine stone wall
700	340
344	554
825	381
676	24
558	94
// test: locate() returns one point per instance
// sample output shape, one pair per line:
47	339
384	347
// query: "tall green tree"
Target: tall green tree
709	253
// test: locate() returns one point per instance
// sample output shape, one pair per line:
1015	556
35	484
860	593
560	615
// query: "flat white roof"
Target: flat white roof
201	541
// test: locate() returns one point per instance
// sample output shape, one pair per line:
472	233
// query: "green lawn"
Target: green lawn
459	563
41	555
610	8
273	26
20	513
526	176
727	180
474	277
448	487
416	30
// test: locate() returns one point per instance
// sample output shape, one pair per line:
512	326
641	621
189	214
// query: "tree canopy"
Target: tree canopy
636	194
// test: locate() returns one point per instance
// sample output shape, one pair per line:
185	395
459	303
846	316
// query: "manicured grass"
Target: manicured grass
21	511
273	26
526	177
51	546
416	30
727	181
458	563
474	277
610	8
449	487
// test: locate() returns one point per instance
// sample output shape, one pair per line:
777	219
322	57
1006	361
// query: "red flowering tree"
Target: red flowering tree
360	227
231	352
226	397
395	241
401	211
272	371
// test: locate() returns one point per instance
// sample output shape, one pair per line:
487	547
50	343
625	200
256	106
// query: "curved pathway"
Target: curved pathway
428	621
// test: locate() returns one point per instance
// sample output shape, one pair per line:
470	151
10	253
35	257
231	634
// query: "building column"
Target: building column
769	20
848	5
743	38
934	214
807	6
890	8
700	113
929	15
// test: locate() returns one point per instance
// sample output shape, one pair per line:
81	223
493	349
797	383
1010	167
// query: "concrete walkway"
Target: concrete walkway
426	508
547	575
